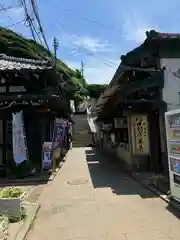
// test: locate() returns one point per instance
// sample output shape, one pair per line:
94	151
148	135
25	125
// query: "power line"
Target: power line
37	34
9	8
14	24
4	10
31	25
33	4
85	50
29	20
88	19
88	52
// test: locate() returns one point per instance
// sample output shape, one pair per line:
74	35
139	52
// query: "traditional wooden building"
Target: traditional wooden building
133	105
30	86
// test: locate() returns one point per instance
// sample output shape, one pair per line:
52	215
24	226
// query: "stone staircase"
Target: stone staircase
81	135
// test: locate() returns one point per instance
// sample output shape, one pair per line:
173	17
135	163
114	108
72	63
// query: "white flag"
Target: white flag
19	146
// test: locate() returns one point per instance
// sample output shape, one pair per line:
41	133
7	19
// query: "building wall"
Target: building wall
124	154
171	90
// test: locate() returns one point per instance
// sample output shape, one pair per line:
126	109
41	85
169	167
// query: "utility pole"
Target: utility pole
82	69
55	45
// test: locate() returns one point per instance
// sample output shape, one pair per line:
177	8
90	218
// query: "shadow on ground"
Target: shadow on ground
174	210
26	181
105	173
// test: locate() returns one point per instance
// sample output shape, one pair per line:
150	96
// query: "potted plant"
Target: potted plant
11	201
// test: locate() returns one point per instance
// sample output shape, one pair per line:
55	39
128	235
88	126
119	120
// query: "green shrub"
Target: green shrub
11	192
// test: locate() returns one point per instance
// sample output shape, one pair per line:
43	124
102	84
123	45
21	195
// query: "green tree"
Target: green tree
13	44
95	90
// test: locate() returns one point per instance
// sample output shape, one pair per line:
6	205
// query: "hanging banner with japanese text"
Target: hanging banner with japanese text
58	137
140	134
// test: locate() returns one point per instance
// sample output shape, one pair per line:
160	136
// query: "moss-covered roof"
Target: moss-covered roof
13	44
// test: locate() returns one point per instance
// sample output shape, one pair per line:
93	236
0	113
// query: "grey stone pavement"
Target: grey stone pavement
91	199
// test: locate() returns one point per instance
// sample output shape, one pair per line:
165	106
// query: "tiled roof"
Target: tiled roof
158	35
13	63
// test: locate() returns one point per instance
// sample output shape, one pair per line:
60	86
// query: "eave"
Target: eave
125	90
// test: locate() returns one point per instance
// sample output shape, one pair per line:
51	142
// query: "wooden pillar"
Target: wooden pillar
154	142
164	156
130	139
4	147
5	132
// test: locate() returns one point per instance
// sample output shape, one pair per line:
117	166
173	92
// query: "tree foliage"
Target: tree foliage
13	44
95	90
74	85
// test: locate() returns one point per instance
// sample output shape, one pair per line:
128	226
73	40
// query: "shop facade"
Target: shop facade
140	92
27	87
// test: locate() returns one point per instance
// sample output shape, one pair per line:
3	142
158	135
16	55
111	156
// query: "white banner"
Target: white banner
19	145
72	105
91	120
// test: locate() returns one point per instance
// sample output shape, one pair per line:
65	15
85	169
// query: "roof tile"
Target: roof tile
13	63
162	35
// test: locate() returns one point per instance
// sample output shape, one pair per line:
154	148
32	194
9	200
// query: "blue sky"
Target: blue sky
120	26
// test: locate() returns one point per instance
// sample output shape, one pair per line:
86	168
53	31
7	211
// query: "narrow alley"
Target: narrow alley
91	199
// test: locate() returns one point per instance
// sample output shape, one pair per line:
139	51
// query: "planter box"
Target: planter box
11	207
4	224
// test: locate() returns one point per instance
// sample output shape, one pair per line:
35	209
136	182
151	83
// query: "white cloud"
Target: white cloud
92	44
96	71
87	43
135	27
100	74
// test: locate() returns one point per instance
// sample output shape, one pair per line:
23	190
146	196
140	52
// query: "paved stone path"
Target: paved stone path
91	199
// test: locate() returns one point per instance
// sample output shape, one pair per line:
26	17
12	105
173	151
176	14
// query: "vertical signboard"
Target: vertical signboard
173	146
140	134
58	139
